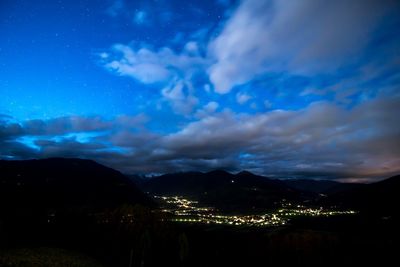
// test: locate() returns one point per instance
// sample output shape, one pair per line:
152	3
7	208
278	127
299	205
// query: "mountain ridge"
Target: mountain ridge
65	184
222	189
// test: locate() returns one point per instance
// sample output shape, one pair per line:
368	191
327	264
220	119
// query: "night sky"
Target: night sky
306	89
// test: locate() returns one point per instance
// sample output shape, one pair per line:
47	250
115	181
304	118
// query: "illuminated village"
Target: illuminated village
189	211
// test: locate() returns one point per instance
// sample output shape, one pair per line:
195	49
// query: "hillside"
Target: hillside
378	198
320	186
243	191
58	184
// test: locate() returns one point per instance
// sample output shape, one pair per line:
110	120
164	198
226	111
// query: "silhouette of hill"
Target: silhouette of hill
320	186
30	186
137	179
75	184
378	198
243	191
33	190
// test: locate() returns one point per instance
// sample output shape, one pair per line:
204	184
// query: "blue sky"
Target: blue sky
280	88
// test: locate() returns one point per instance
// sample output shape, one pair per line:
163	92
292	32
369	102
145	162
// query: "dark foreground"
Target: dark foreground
148	242
72	212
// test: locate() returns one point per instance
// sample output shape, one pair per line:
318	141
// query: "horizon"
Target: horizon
304	90
145	176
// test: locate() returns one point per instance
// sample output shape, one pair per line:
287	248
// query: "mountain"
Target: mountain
380	198
137	179
60	184
226	191
320	186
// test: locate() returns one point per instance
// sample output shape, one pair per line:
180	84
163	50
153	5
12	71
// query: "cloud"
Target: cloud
208	109
173	71
242	98
115	8
343	40
303	37
192	48
267	104
63	125
321	49
321	140
142	65
140	17
132	122
180	96
148	66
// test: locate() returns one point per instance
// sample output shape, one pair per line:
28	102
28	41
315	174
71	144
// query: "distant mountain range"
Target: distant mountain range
30	186
226	191
380	198
246	191
320	186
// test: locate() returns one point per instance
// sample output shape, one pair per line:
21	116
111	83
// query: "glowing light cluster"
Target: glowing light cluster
189	211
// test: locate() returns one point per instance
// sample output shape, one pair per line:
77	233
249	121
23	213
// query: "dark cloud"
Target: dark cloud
323	140
10	130
65	125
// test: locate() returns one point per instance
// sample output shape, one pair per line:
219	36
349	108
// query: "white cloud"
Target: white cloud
267	104
192	48
211	107
262	36
302	37
148	66
181	98
242	98
207	110
172	70
103	55
143	64
140	17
